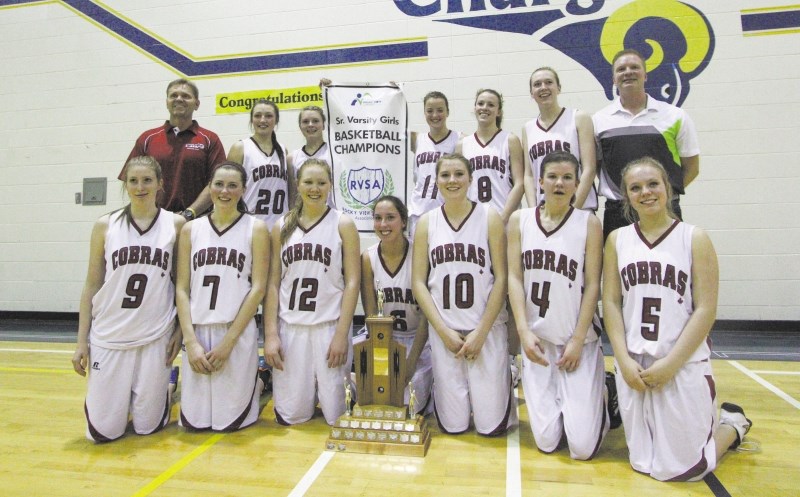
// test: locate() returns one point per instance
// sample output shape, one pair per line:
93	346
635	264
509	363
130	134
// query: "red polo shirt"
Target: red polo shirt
187	160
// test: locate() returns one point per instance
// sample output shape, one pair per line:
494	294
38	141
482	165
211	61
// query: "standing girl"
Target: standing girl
222	277
312	124
312	295
555	255
427	149
495	157
557	129
660	286
126	327
459	277
386	268
271	191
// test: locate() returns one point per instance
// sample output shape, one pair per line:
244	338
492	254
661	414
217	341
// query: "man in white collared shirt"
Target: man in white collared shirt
636	125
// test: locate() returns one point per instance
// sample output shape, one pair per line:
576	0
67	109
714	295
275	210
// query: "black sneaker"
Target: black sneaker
613	401
733	416
265	373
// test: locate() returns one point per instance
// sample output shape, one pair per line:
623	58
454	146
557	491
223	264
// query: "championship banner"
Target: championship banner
367	136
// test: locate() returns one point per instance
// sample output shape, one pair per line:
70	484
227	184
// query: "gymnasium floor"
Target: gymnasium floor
43	451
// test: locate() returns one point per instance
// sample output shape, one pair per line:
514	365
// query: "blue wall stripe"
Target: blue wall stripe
267	62
759	21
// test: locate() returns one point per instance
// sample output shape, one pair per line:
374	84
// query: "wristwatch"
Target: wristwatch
189	214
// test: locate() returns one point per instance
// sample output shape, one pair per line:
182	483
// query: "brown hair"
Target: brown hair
142	160
499	119
186	82
241	206
544	68
629	51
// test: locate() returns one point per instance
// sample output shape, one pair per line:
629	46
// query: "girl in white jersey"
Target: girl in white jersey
386	268
222	277
311	298
495	156
557	129
459	276
311	121
660	284
555	255
270	193
127	334
427	148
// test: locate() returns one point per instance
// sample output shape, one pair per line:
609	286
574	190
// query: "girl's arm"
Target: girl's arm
368	298
259	244
272	341
705	289
95	276
236	153
351	266
516	294
588	149
419	282
612	316
175	341
497	296
593	267
529	184
517	176
196	354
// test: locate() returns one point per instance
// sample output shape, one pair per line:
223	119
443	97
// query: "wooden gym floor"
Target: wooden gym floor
43	451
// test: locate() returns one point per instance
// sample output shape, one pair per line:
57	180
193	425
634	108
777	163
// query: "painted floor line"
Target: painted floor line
37	370
790	373
513	466
769	386
42	351
312	474
182	463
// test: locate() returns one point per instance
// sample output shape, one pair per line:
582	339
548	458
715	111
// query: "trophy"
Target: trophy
380	423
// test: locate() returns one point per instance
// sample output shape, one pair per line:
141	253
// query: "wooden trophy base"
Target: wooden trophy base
377	429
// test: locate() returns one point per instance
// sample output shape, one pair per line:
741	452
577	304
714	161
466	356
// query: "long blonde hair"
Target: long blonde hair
291	217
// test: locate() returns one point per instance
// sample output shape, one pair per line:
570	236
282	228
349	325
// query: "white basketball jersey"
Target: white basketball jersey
562	135
299	156
136	304
460	276
312	278
267	193
426	196
656	281
221	265
553	275
491	162
398	299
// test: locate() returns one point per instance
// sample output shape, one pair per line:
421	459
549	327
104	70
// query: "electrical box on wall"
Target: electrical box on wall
94	191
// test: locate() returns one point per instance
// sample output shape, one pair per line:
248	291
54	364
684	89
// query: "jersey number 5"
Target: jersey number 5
650	308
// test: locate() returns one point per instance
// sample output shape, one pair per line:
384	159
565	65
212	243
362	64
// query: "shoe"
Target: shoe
515	369
173	376
613	401
733	416
265	373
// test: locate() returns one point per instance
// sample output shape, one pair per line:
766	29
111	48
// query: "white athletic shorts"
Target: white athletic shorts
225	400
560	402
306	376
670	430
481	387
123	383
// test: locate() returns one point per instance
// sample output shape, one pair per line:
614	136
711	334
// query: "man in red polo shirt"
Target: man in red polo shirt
187	153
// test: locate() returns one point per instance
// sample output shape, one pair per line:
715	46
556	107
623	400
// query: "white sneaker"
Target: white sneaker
733	416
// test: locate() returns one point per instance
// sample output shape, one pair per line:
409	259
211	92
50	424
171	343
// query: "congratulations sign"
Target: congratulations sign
367	135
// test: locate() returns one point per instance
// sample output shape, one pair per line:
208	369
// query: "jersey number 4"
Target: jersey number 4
542	302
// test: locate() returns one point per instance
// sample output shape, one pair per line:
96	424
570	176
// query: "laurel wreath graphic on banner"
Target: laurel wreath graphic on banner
388	189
